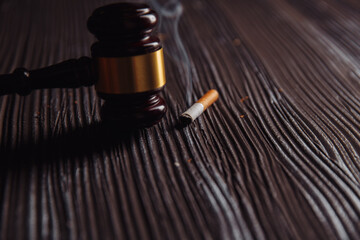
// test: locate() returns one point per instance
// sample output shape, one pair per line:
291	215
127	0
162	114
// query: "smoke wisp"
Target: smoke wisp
170	13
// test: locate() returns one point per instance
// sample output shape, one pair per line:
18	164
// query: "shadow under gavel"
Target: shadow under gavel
70	144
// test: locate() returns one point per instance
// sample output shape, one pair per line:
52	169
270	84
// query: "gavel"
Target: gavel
127	67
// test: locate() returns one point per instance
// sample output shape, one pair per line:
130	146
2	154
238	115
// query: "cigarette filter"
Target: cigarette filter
200	106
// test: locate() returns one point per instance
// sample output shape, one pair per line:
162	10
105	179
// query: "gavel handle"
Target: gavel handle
72	73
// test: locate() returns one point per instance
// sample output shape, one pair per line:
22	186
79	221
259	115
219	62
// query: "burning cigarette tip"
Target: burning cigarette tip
200	106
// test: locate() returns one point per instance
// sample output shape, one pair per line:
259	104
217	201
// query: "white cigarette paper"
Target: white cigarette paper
200	106
194	111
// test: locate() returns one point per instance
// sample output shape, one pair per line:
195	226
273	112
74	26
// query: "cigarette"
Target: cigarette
200	106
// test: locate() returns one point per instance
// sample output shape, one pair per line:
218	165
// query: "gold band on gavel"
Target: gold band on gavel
135	74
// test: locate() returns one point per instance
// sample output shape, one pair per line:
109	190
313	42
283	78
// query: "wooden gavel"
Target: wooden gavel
127	67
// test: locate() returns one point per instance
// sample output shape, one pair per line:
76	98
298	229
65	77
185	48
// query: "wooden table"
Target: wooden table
276	157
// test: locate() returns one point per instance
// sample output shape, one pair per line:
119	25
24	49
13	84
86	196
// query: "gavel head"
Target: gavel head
129	64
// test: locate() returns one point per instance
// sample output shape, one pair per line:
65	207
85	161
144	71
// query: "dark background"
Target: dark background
277	156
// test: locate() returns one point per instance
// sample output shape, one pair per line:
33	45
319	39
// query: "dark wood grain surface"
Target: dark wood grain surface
277	157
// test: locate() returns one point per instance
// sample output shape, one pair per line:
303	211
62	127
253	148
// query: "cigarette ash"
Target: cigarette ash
185	119
169	16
